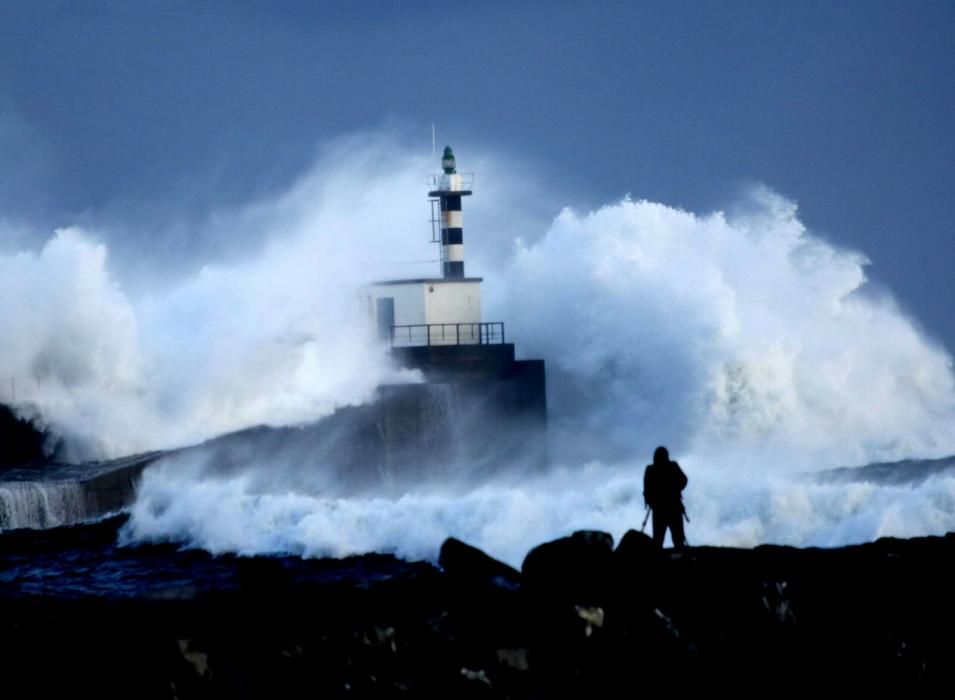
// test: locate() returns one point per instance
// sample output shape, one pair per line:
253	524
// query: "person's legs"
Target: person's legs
676	531
659	528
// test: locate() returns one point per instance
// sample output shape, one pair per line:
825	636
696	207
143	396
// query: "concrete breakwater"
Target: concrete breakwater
478	411
440	430
37	491
431	432
53	494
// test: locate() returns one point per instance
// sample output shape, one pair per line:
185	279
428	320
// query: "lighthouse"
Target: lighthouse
478	403
448	195
443	310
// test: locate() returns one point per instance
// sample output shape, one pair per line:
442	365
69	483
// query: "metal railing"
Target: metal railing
467	181
447	334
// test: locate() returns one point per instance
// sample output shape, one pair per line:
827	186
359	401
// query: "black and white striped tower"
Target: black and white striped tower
449	192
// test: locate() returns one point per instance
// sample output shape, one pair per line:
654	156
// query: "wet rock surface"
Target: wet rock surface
582	619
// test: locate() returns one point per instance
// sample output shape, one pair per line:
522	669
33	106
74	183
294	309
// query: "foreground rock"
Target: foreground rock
20	441
582	619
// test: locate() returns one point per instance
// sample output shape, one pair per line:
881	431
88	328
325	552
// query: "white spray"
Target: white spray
745	344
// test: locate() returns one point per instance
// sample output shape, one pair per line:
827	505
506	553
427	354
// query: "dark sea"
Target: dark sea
83	561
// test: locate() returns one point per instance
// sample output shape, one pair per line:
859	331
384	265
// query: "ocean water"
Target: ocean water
85	561
190	534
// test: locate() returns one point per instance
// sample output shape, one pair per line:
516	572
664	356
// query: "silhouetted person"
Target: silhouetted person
663	484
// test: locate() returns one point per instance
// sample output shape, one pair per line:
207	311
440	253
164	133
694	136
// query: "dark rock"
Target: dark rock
594	538
568	584
636	549
576	568
262	575
471	567
486	604
20	441
875	616
637	563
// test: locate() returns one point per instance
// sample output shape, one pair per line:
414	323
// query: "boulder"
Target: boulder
636	568
636	549
485	598
469	566
578	568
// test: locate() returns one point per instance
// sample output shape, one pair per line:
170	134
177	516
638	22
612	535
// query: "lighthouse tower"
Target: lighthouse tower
437	311
449	193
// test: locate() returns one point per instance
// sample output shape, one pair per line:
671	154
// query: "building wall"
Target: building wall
409	302
454	303
432	302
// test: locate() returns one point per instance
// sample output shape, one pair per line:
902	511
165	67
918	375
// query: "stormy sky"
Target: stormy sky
143	118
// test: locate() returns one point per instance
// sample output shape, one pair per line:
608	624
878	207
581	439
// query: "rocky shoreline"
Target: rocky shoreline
583	618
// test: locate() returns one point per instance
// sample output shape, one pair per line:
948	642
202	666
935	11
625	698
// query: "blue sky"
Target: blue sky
173	109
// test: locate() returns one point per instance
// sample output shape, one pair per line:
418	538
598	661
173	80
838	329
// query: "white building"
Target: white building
442	310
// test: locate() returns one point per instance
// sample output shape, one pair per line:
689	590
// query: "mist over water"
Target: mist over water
751	348
276	338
